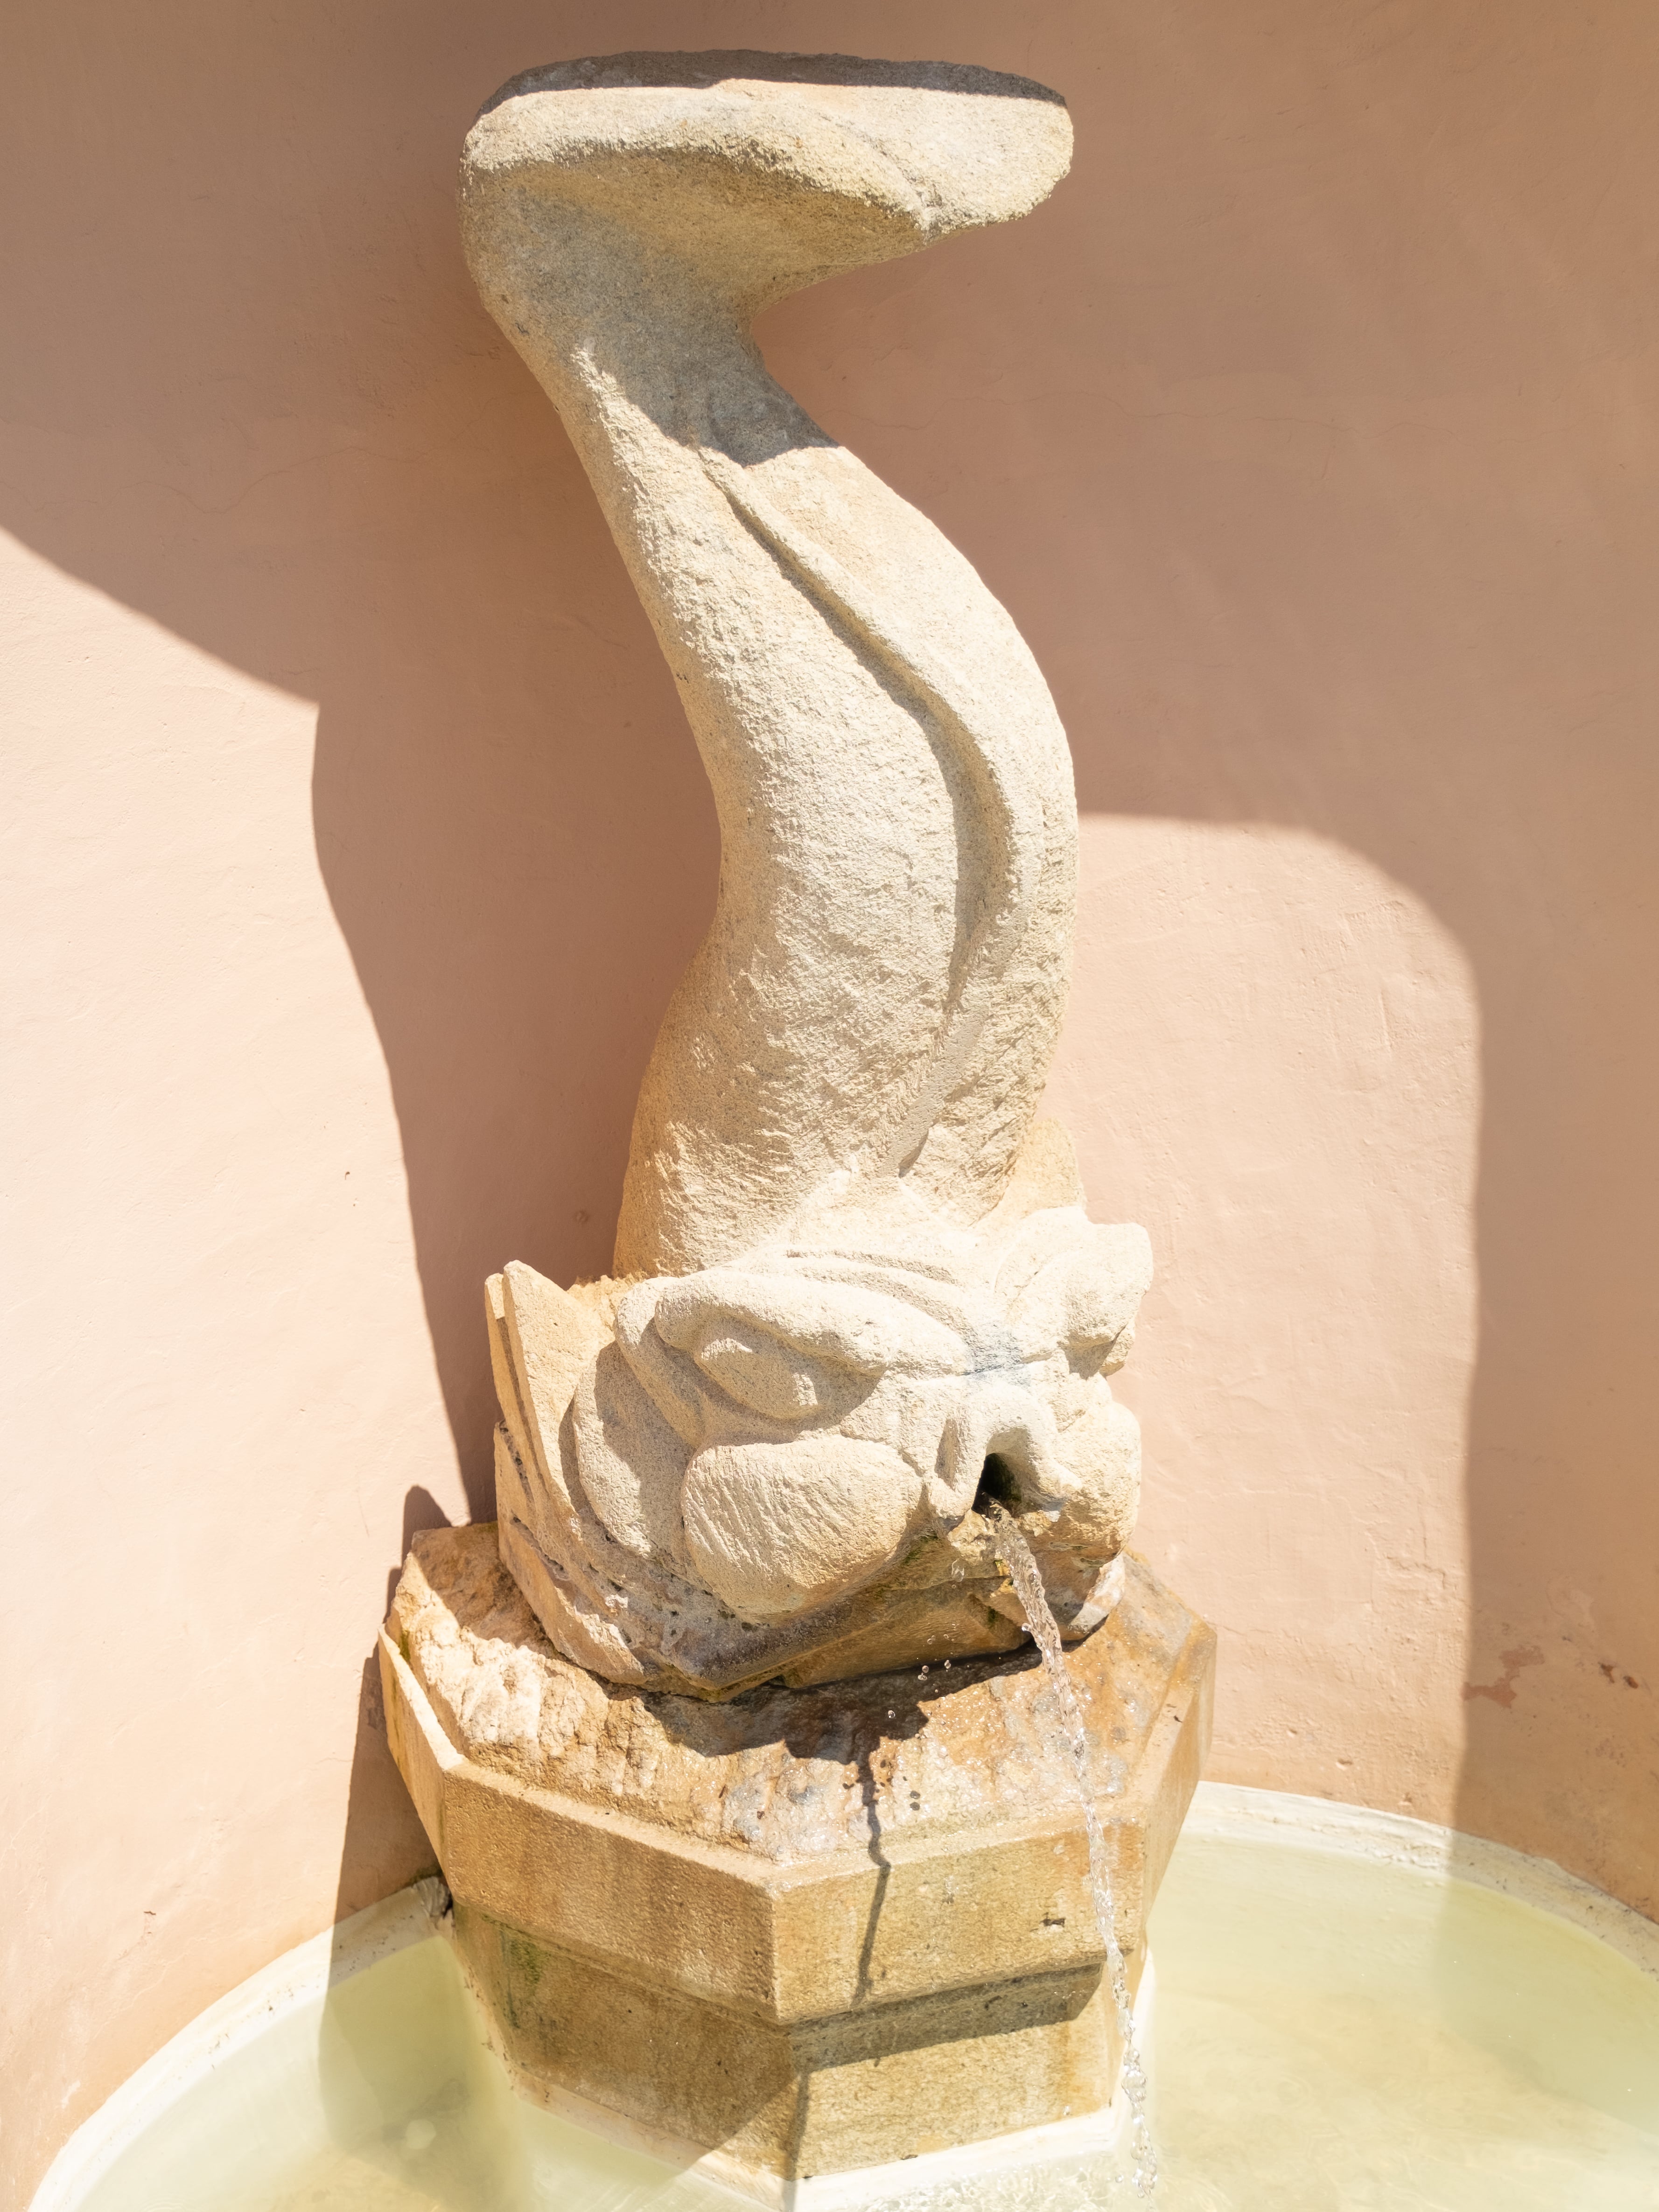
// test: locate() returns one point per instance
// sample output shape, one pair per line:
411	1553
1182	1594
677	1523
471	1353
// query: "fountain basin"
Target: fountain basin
1354	2009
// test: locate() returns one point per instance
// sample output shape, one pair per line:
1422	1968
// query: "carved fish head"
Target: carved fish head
783	1426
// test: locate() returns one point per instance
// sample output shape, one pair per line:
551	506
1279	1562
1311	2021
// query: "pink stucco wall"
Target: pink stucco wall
1308	435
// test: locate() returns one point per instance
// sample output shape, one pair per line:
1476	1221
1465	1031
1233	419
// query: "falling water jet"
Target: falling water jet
1016	1556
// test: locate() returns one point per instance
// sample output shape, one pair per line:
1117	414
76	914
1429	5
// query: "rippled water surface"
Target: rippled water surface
1333	2035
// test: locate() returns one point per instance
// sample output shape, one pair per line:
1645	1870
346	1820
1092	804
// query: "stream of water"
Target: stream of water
1024	1574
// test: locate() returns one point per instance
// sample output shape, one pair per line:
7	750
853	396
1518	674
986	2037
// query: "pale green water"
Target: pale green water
1334	2035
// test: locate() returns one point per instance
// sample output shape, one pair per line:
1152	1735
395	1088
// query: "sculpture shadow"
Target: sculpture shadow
311	455
382	1843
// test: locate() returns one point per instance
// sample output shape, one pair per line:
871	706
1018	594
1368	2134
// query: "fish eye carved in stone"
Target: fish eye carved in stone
761	1371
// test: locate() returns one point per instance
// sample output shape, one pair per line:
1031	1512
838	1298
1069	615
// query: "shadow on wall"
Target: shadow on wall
1321	487
376	1801
259	401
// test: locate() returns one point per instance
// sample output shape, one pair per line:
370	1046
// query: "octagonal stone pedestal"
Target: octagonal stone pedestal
808	1931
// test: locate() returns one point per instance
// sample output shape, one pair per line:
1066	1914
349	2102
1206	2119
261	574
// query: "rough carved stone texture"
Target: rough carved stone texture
819	1928
850	1271
778	1773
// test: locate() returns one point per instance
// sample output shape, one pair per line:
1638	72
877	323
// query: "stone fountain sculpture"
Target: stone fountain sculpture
855	1287
849	1272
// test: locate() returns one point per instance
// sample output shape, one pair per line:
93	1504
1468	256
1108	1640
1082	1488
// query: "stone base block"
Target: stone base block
814	1930
800	2098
